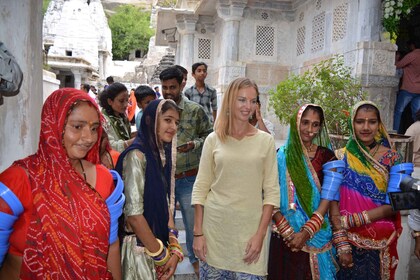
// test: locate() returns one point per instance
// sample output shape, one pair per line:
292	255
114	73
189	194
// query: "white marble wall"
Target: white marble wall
20	30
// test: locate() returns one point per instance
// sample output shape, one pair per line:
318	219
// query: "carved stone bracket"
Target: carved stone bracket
186	23
231	9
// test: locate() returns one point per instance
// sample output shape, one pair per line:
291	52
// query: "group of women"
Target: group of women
255	213
329	212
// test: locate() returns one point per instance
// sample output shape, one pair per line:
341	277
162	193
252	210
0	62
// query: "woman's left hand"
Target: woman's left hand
253	249
170	267
297	241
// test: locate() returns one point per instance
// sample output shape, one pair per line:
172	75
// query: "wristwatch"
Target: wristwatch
415	234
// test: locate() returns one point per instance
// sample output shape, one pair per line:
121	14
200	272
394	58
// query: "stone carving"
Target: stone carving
340	22
318	32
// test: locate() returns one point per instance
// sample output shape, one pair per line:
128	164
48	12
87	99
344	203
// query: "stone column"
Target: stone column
231	12
186	28
375	67
20	114
77	78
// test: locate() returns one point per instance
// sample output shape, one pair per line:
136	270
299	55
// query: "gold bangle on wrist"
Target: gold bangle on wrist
158	252
415	234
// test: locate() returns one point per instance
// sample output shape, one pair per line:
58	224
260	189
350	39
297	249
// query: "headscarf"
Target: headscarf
298	161
297	176
160	171
363	188
69	228
365	179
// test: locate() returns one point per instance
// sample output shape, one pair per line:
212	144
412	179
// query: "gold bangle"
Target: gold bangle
158	252
415	234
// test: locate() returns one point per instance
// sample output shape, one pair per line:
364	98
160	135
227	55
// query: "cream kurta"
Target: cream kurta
230	184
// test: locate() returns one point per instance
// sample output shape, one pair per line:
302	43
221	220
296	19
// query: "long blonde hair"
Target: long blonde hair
223	123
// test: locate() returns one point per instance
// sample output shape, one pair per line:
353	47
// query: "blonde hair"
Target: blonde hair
223	123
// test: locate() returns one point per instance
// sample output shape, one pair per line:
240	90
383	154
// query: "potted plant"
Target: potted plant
328	83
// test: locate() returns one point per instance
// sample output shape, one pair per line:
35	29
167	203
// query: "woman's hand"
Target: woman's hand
346	260
297	240
170	267
200	247
253	249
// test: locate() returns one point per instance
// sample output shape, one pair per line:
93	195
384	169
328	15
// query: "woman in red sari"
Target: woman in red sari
64	230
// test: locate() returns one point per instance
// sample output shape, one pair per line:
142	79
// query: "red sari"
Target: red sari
68	224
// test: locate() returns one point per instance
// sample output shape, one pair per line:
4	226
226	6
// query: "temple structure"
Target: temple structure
77	41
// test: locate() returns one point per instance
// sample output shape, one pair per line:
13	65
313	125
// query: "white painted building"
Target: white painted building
78	40
268	40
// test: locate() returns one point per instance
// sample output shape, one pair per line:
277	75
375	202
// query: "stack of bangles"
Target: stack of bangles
355	220
174	247
161	257
313	224
341	242
284	228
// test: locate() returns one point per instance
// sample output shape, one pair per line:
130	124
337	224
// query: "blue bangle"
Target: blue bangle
4	236
11	199
407	168
334	164
119	187
7	221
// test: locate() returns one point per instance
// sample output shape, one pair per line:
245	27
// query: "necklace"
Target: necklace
83	169
309	149
376	150
372	145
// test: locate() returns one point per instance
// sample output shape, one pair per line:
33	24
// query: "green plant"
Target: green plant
329	84
130	27
393	12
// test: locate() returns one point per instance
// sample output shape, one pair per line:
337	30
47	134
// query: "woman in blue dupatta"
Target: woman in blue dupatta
364	216
300	246
147	168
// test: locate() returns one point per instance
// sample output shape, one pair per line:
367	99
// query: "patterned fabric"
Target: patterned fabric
69	228
118	130
364	188
367	265
208	272
300	195
159	181
194	125
207	99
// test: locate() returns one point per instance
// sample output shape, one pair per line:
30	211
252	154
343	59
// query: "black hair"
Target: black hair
142	92
110	92
110	80
370	107
317	110
86	87
171	73
156	87
196	65
182	69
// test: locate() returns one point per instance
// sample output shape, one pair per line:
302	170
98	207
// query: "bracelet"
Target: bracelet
174	231
198	235
415	234
158	252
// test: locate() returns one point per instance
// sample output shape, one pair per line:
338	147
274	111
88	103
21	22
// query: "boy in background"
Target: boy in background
144	95
201	92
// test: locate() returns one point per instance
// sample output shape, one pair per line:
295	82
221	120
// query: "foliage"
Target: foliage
393	11
130	27
167	3
328	84
45	4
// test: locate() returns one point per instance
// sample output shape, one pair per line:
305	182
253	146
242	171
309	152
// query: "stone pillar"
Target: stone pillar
186	28
77	78
375	67
20	114
231	12
369	20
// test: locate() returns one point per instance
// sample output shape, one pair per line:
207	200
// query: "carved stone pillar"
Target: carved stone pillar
186	28
231	11
77	78
375	67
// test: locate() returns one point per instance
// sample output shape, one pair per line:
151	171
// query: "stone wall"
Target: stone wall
21	22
